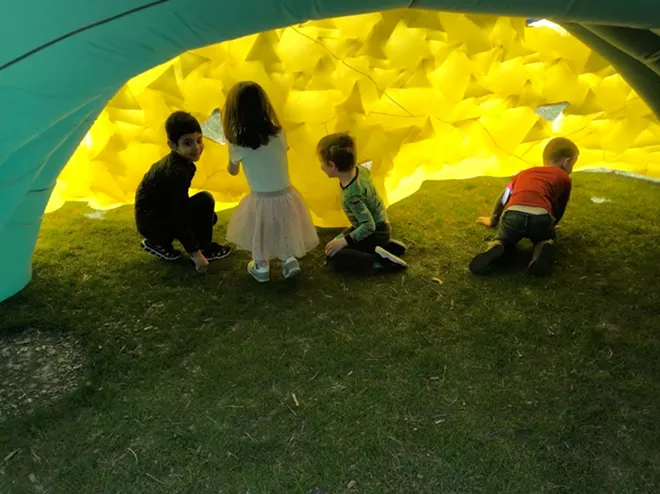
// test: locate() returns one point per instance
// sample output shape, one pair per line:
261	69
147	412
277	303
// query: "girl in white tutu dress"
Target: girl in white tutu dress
273	221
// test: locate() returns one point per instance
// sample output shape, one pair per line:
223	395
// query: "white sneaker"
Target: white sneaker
389	261
262	275
291	268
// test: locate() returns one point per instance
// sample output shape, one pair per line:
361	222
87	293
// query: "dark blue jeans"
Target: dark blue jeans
516	225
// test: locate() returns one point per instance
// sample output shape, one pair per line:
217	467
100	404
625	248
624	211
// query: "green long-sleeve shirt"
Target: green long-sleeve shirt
362	205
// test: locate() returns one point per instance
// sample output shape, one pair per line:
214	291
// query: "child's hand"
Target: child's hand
201	263
335	246
486	220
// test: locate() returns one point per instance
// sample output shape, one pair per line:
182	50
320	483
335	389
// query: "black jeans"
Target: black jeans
361	255
516	225
201	218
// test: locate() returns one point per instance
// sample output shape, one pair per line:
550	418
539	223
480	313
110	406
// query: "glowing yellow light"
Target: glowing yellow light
550	25
428	96
556	123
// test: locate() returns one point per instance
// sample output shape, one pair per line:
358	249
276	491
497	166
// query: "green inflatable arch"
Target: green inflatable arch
61	61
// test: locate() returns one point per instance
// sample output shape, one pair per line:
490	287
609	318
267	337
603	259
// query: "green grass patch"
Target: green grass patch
402	384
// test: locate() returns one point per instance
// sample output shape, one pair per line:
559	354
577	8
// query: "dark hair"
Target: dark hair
179	124
340	149
560	148
248	119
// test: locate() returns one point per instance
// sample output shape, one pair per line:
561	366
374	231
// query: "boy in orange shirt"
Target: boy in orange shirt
533	203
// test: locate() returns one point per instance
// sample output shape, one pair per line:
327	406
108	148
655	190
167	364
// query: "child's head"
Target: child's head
184	135
337	154
561	153
248	118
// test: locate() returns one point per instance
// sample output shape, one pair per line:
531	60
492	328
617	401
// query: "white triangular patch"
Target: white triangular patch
551	112
212	128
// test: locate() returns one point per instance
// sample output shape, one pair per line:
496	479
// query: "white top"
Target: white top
266	168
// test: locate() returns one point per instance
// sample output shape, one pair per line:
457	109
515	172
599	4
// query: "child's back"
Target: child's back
530	207
272	222
361	190
266	168
543	187
165	184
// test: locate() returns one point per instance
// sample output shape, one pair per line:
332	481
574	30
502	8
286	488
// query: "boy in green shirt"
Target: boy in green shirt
367	245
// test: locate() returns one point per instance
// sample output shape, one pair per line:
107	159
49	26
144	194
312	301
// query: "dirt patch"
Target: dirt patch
37	368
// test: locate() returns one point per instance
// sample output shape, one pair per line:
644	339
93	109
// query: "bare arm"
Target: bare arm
562	202
494	218
498	208
234	168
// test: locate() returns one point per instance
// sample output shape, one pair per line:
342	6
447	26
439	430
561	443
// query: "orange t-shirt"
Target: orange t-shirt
546	187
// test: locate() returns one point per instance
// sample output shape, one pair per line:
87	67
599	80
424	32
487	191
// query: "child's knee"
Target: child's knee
206	200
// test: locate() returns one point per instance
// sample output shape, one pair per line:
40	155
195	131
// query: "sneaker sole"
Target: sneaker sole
292	273
481	263
260	277
221	256
160	256
391	258
541	266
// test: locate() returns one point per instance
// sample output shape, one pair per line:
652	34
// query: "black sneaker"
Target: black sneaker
395	247
481	263
389	261
541	264
215	252
163	252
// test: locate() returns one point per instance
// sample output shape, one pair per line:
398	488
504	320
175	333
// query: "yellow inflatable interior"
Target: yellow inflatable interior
428	96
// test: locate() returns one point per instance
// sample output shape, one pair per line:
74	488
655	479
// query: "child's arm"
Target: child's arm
562	202
345	232
498	207
236	155
366	224
494	218
234	168
179	207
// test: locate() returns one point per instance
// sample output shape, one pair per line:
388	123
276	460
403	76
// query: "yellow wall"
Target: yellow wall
429	96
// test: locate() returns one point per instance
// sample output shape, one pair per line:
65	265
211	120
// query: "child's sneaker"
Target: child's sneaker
259	273
215	252
163	252
390	261
481	263
541	264
291	268
395	247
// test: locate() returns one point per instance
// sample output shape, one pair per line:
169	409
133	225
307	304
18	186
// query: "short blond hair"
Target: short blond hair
559	149
339	149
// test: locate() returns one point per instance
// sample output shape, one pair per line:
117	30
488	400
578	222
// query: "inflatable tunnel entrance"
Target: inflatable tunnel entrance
429	94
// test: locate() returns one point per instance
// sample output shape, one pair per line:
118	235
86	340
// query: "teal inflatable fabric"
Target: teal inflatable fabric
61	61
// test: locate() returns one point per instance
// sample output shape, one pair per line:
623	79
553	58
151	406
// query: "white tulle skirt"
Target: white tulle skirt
273	225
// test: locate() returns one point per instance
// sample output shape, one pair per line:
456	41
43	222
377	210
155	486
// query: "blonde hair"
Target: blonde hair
340	149
559	149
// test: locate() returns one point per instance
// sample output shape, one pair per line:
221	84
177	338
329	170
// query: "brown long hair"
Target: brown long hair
248	118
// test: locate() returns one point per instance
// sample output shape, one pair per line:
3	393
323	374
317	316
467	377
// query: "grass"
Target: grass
402	384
